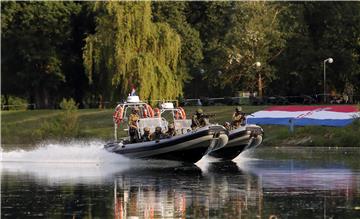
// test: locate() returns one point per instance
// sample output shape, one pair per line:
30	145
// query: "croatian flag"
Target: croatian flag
305	115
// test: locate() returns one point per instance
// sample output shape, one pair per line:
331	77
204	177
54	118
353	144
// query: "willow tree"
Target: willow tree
128	49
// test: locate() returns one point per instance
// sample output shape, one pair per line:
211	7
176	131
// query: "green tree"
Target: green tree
213	21
319	30
255	36
236	35
129	49
191	46
34	35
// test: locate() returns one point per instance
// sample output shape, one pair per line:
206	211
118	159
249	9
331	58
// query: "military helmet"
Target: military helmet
158	129
238	108
199	111
171	126
146	129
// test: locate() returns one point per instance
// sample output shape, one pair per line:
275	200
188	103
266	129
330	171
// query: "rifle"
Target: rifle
208	115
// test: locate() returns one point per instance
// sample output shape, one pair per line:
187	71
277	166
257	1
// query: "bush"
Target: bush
15	103
64	125
69	118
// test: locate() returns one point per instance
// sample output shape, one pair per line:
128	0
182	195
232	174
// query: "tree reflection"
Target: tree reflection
225	191
252	189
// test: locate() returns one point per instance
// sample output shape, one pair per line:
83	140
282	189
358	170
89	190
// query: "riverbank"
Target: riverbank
24	127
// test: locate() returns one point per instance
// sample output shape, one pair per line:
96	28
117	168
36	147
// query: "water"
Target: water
81	180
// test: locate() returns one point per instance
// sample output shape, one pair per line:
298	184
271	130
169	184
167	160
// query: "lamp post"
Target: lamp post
258	65
330	60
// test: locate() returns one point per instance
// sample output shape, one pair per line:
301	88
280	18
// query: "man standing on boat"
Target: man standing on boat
133	128
238	118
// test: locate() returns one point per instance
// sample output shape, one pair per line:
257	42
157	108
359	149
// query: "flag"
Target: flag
335	115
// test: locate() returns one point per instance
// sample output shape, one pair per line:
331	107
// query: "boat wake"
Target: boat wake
85	162
73	152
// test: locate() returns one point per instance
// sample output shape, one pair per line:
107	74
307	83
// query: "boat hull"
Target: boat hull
189	147
240	139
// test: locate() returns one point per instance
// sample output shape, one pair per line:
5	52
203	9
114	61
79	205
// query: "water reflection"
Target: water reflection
226	191
247	188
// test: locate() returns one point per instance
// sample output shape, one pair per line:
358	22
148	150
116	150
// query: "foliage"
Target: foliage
255	36
139	52
319	31
15	103
191	46
62	126
33	37
84	50
236	36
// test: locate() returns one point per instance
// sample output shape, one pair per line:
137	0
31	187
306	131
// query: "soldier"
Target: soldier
157	135
171	130
238	118
132	122
146	135
199	119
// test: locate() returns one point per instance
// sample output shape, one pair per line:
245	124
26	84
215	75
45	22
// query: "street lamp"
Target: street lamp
330	60
258	65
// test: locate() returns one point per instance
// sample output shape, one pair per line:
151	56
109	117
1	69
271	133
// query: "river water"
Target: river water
81	180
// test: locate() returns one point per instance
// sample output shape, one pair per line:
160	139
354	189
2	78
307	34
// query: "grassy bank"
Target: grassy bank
22	127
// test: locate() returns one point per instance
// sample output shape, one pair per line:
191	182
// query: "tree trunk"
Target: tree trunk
6	102
38	99
45	98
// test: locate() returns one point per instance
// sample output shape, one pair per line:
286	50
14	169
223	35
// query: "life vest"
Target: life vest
177	114
182	113
149	110
118	114
145	113
157	112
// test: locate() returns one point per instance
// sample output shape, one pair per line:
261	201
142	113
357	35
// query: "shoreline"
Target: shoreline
22	128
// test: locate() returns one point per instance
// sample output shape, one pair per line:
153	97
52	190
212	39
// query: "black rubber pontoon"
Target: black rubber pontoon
189	147
240	139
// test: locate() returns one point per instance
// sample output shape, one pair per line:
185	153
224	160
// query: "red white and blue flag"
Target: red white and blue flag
335	115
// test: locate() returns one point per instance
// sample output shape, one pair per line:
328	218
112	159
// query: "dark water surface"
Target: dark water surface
83	181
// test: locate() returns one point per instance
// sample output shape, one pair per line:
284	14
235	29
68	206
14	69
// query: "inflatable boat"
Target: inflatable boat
239	140
186	146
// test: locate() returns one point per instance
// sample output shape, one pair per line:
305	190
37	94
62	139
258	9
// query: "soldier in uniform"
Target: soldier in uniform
199	119
132	121
157	135
146	135
171	130
238	118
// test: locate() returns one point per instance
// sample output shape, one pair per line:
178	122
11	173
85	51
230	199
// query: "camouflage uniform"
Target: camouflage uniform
133	118
238	118
198	120
157	135
146	135
171	131
133	129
